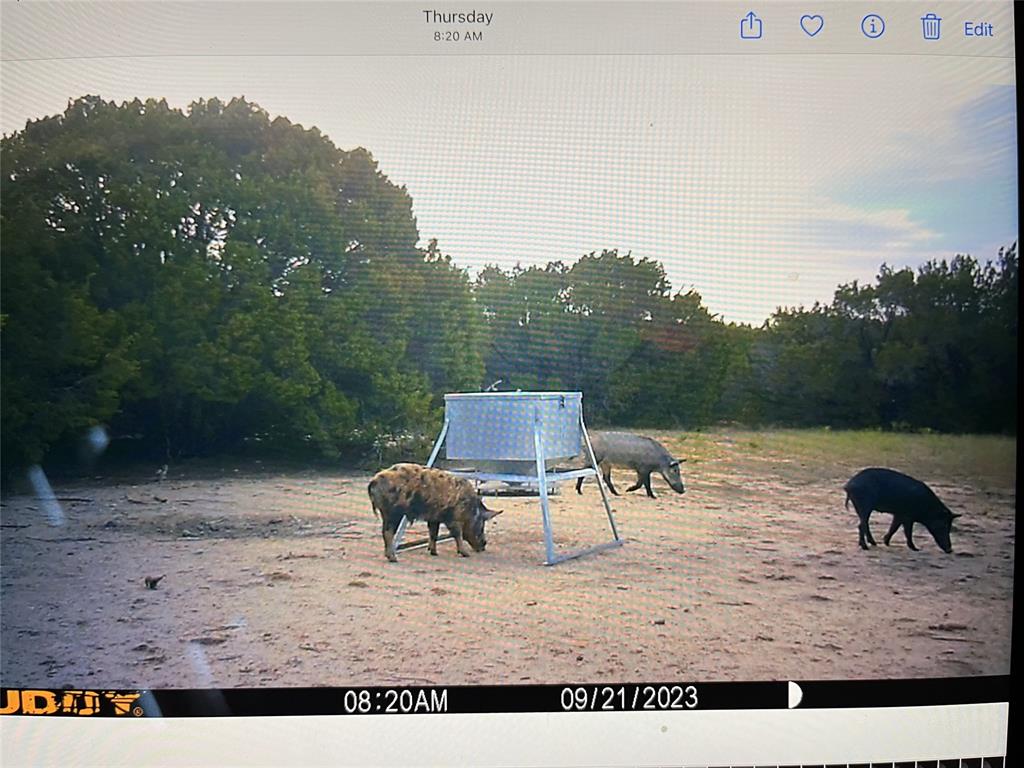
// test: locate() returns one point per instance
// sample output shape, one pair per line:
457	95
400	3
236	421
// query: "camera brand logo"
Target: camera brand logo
37	702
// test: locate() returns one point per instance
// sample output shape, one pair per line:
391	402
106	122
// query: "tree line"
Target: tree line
202	280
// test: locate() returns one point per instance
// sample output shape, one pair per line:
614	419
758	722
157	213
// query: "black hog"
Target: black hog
908	500
424	493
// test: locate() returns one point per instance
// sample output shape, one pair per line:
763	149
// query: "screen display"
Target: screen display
540	368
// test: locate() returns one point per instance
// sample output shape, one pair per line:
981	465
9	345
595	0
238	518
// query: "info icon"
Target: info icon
872	25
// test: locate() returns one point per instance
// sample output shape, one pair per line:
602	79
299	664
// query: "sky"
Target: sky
758	181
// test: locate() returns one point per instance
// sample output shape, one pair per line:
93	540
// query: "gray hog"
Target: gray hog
908	500
641	454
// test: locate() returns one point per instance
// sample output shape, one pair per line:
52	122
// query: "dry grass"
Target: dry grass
990	459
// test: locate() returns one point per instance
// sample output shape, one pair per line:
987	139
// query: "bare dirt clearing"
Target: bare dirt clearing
280	579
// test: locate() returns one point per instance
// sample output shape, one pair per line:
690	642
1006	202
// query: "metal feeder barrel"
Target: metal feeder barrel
499	426
512	437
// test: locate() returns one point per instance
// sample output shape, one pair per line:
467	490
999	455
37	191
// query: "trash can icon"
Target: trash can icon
930	23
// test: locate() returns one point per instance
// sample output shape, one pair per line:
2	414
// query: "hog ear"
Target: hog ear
676	462
487	513
956	515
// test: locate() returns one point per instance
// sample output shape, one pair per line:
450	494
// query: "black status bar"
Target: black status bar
582	697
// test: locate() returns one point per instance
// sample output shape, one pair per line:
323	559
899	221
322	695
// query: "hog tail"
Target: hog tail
373	502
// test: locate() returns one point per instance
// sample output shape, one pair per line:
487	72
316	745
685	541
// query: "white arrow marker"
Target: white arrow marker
795	695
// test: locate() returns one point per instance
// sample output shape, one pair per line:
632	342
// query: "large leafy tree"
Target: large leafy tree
211	276
933	349
531	334
606	325
676	373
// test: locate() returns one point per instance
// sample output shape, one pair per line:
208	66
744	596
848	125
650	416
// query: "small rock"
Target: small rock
209	640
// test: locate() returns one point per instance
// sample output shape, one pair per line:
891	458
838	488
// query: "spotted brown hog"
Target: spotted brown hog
424	493
908	500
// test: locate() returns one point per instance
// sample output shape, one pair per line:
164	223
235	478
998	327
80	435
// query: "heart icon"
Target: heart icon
812	25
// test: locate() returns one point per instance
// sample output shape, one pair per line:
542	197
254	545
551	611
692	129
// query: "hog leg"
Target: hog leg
433	527
607	472
864	532
908	529
871	537
390	527
647	485
460	544
897	521
637	484
607	481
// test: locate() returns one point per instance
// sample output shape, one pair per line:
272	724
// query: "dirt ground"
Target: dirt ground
279	579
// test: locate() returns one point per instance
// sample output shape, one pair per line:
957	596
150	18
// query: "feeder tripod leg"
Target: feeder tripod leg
600	478
438	444
400	533
542	485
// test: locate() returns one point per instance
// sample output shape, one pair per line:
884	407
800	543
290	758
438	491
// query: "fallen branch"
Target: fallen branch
61	540
199	539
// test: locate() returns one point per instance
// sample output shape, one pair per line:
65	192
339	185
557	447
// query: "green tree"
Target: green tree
214	276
